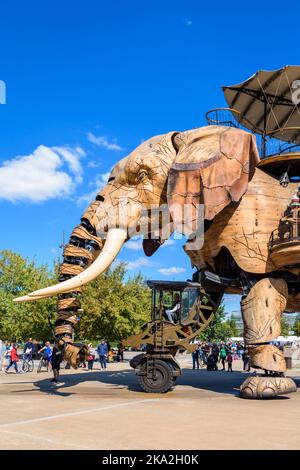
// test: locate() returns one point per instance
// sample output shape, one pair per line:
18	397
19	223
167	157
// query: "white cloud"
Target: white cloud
93	164
139	263
47	173
134	245
72	157
169	243
169	271
102	141
96	185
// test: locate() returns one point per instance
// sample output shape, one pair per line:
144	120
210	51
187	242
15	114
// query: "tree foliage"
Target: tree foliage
219	329
296	327
285	328
18	276
112	308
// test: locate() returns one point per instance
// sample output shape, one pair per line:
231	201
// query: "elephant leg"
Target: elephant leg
261	310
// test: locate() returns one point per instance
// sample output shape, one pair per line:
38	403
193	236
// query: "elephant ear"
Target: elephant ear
213	167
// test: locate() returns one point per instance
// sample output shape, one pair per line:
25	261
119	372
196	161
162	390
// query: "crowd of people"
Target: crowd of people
209	355
213	356
53	356
105	354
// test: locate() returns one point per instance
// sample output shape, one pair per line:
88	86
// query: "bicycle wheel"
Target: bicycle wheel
30	365
25	366
40	365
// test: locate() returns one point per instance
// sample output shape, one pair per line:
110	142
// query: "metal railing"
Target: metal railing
269	144
286	233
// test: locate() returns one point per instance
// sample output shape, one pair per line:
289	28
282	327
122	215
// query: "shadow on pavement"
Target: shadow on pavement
222	382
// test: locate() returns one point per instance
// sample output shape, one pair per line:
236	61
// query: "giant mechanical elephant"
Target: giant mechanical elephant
216	167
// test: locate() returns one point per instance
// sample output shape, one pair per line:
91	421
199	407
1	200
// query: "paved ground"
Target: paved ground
107	410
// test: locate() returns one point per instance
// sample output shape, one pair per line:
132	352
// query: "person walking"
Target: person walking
102	352
14	359
91	356
195	357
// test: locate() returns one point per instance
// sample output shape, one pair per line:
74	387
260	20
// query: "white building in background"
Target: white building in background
237	317
290	318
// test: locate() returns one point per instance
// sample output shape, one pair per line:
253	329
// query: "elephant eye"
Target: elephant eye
142	175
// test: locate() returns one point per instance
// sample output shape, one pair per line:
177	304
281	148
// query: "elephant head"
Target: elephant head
210	166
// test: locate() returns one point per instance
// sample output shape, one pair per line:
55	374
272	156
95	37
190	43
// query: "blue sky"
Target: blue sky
88	81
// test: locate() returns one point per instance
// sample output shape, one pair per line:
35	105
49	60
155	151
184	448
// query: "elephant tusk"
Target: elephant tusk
113	244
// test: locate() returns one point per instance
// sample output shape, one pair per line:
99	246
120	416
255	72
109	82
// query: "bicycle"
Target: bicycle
43	363
28	365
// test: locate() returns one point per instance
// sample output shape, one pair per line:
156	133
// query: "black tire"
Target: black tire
25	367
134	362
30	365
160	378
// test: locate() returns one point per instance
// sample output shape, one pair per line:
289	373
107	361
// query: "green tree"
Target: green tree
296	327
219	329
112	308
285	328
18	276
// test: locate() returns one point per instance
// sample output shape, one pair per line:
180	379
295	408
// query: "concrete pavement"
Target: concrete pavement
107	410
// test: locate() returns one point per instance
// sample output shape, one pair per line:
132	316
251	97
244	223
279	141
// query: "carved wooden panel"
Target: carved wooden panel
245	228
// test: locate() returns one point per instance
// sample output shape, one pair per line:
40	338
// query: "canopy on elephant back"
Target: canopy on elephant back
268	103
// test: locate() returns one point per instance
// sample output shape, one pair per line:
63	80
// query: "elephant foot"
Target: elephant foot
75	354
267	386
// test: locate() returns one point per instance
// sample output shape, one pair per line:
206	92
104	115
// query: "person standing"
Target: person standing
91	356
120	356
47	353
246	361
2	354
229	361
56	359
28	350
195	356
7	358
223	355
205	352
102	352
14	359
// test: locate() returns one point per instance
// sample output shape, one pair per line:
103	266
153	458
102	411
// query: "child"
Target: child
229	361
